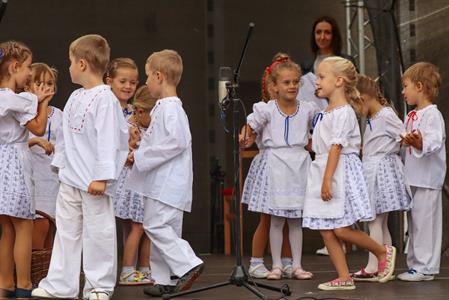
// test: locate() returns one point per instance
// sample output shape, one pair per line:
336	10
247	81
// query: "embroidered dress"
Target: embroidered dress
383	168
276	181
350	202
46	181
15	162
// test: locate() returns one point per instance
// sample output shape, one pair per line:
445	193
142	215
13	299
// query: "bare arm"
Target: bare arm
331	166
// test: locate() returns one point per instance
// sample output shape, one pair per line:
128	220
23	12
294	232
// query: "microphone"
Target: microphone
3	5
224	79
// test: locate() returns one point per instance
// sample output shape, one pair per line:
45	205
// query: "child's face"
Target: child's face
74	69
124	83
22	73
362	108
410	92
287	85
154	82
46	79
326	80
142	117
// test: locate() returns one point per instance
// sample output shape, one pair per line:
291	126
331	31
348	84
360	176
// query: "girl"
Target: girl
257	267
275	184
46	181
19	113
336	190
382	166
122	76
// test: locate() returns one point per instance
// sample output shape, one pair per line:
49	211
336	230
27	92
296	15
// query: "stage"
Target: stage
218	268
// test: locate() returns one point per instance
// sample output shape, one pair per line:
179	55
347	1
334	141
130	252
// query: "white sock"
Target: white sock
128	269
286	261
256	261
145	269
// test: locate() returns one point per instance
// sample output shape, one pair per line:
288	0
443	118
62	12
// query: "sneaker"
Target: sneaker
287	271
385	268
323	251
362	275
99	295
133	278
258	271
158	290
186	281
337	285
413	275
147	276
40	293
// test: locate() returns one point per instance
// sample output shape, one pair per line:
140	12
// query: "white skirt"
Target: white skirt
128	204
357	205
15	181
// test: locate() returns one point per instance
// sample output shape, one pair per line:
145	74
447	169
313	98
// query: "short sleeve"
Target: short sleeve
260	116
343	122
393	125
25	108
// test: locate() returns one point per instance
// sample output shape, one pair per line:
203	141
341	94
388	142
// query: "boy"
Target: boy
162	172
425	149
95	139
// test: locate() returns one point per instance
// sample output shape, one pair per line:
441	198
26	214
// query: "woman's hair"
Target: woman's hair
143	99
368	86
278	58
336	43
10	51
117	63
346	69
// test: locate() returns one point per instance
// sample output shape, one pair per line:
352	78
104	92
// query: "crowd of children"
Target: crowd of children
122	151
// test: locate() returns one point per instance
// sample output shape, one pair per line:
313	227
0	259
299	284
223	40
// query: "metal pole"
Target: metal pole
348	27
361	35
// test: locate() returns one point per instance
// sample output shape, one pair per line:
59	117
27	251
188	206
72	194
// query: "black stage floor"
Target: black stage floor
218	268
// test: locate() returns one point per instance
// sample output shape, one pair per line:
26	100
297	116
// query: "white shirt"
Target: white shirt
162	167
426	168
15	111
307	91
95	138
382	133
338	127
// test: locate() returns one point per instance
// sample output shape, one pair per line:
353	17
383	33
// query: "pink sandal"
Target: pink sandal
275	274
385	268
301	274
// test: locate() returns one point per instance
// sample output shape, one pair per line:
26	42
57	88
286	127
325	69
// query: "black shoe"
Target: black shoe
7	294
186	281
23	293
158	290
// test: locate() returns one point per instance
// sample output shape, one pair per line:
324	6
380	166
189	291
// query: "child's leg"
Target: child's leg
132	244
99	244
6	254
260	237
276	228
286	248
22	251
386	231
144	254
336	253
425	231
40	232
295	237
377	234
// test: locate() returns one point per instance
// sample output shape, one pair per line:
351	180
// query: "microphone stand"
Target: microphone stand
239	276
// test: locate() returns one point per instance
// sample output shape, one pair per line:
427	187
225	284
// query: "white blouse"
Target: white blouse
337	127
95	138
15	111
382	133
426	168
162	167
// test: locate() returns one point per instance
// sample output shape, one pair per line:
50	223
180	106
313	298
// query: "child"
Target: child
257	268
95	136
382	166
276	181
424	143
46	181
162	172
19	113
336	194
122	75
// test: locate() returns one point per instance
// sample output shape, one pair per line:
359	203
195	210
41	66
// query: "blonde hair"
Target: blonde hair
120	62
10	51
276	68
368	86
169	63
429	76
143	99
266	80
345	69
40	69
94	49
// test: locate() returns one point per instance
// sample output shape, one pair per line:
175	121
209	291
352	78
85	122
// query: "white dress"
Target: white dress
276	180
46	181
350	202
15	162
382	165
128	205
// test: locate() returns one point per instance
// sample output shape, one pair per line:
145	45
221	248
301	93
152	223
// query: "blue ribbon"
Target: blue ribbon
127	112
318	117
49	131
286	129
368	122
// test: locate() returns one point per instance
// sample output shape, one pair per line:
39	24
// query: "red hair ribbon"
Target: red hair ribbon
278	61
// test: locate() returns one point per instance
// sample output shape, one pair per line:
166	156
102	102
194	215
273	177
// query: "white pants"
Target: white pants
85	225
425	230
170	254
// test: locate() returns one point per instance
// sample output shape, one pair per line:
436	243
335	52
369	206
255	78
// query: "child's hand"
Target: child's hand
413	139
247	141
130	159
326	190
134	137
46	145
43	92
97	188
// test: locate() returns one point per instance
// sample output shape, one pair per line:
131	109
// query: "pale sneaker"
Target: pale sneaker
385	268
99	295
337	285
323	251
41	294
413	275
258	271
